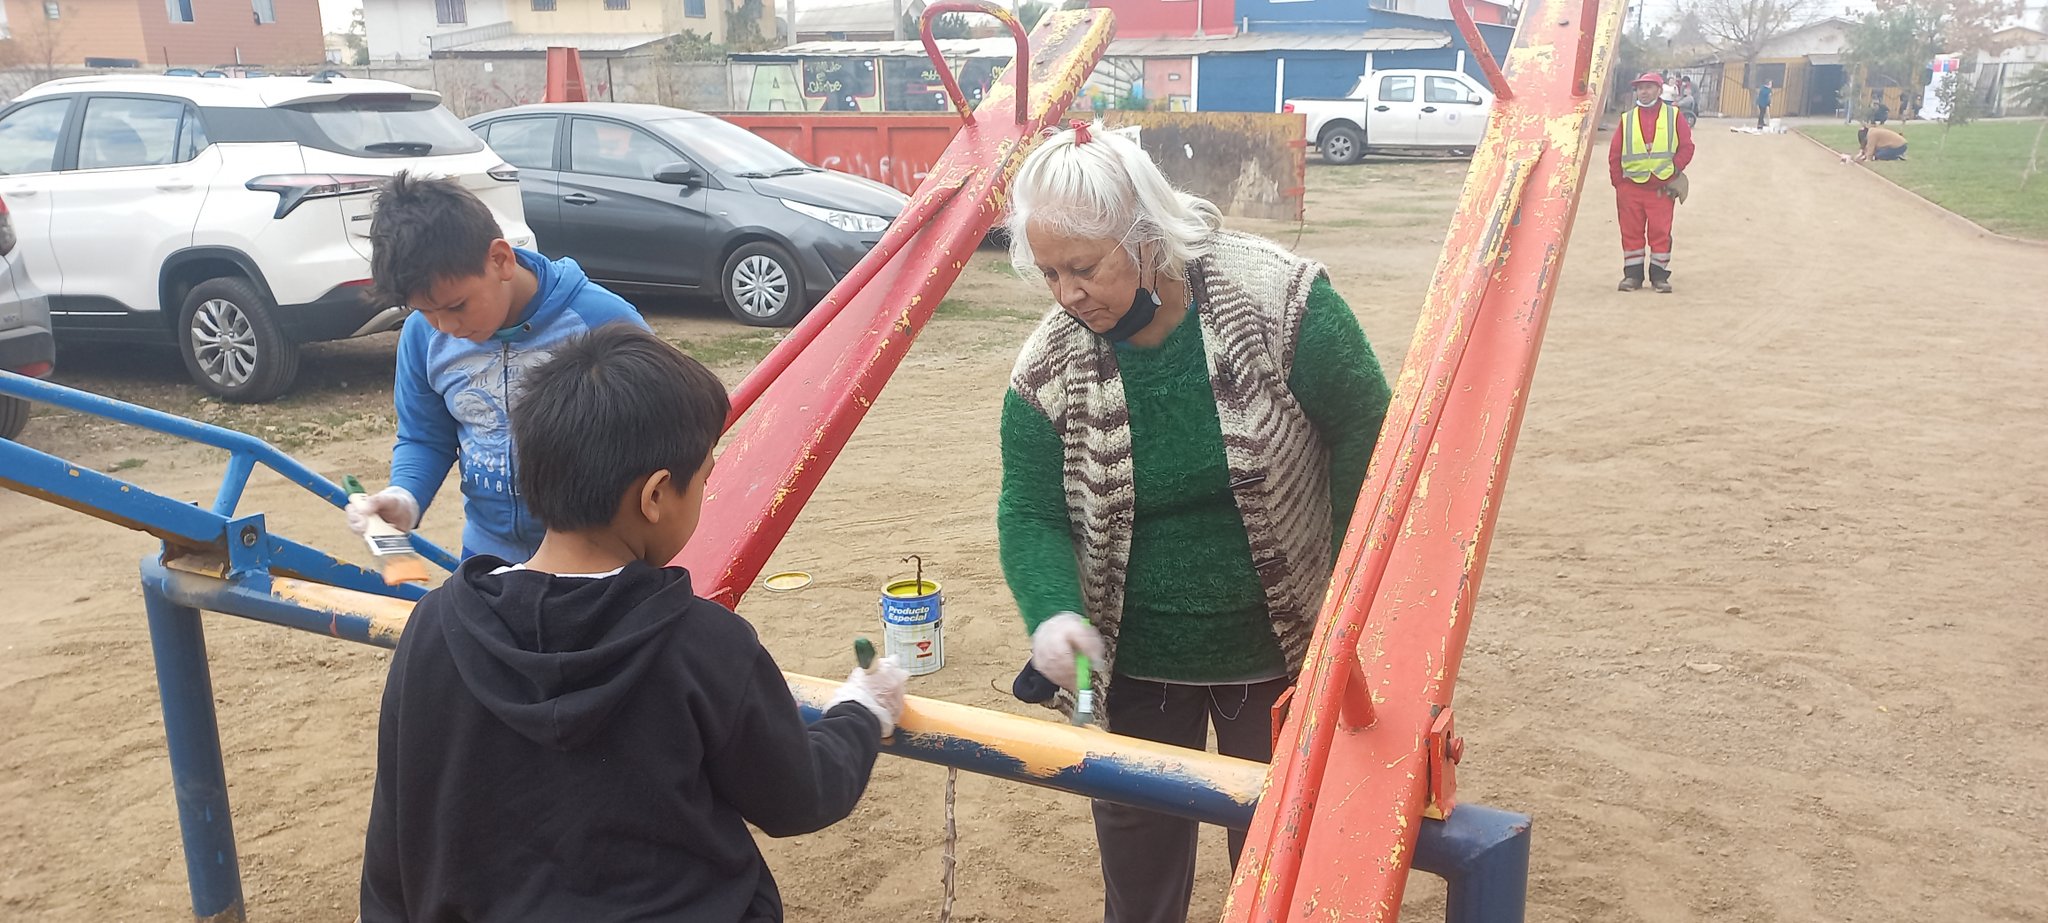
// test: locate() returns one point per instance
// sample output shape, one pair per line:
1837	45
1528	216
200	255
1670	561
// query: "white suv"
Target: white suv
228	216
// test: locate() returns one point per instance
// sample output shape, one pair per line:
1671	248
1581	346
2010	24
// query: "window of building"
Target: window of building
618	4
1397	89
180	10
51	10
451	12
543	6
266	11
693	9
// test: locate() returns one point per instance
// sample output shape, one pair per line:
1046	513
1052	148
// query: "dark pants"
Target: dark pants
1889	153
1763	114
1148	859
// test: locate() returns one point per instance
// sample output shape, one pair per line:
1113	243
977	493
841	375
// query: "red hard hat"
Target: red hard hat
1648	77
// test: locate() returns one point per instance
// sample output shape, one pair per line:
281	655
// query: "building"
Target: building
400	30
165	33
863	21
1247	55
1803	66
2021	50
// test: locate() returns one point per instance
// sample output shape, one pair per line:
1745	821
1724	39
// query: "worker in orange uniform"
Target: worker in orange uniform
1652	146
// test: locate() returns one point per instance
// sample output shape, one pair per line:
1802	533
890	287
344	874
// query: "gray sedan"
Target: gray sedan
658	199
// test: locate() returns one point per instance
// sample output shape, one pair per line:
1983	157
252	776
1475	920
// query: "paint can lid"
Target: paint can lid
787	581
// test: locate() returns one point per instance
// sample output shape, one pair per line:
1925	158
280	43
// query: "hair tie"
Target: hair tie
1081	135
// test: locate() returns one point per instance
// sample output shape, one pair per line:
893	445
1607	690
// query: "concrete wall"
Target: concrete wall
471	86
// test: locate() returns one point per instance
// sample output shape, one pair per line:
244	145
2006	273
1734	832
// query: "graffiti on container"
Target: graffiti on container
882	171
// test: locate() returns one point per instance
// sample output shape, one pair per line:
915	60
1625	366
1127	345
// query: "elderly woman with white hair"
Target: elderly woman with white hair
1184	437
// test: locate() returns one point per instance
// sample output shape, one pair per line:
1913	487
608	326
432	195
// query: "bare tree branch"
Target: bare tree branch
1743	27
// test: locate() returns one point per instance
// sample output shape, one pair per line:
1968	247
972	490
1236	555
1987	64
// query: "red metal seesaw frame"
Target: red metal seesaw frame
1369	746
796	410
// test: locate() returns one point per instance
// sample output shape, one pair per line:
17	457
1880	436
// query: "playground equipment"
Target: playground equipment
1368	748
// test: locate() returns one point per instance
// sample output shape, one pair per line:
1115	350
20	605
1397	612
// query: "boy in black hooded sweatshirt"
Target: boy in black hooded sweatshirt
580	737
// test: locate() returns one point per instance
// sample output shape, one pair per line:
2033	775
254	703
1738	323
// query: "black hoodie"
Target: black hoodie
592	749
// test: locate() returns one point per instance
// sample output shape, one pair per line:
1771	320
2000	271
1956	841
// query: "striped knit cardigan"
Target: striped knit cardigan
1253	295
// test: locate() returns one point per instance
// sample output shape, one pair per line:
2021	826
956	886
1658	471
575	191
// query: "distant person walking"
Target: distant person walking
1763	104
1651	149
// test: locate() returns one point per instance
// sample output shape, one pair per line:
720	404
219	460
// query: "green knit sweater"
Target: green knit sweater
1194	611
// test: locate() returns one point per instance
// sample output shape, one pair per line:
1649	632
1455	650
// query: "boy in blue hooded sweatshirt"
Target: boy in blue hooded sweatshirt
484	314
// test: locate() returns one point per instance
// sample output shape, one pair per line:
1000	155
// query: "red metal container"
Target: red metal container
897	148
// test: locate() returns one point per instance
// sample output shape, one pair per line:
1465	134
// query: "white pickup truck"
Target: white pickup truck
1398	110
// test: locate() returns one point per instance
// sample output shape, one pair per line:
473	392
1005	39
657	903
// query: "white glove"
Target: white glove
879	691
394	505
1055	643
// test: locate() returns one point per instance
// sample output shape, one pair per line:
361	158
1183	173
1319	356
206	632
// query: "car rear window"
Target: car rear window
388	126
363	126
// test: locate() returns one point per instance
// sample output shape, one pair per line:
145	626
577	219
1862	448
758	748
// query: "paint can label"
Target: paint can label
913	627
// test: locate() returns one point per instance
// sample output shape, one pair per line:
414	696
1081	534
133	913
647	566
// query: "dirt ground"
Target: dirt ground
1760	637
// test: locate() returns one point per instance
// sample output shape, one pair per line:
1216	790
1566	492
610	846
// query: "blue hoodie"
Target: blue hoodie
453	399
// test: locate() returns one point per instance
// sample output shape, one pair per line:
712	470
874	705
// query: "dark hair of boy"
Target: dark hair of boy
426	230
608	408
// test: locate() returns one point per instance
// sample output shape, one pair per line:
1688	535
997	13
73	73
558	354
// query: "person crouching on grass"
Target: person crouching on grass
582	737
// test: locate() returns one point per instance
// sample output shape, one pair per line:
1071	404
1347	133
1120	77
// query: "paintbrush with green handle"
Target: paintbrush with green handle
1084	691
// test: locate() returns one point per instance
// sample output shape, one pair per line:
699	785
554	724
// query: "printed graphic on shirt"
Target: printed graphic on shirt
485	385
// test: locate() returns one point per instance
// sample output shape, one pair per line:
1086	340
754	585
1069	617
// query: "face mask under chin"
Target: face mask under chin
1144	307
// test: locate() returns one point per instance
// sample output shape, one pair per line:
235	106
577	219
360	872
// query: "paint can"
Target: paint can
911	624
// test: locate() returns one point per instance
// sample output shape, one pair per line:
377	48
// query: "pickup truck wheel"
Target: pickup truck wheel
1343	145
13	417
232	345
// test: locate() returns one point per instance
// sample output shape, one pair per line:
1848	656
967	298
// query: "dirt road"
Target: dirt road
1760	638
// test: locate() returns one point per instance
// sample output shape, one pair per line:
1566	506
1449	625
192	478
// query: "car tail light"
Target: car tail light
505	173
1287	108
294	188
37	370
6	230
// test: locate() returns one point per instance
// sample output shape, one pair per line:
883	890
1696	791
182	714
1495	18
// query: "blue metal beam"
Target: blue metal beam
177	523
1476	850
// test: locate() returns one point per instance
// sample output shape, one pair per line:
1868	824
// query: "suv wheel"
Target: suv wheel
1343	145
762	287
13	416
232	344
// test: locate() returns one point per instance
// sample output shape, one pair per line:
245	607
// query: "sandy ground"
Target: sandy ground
1760	636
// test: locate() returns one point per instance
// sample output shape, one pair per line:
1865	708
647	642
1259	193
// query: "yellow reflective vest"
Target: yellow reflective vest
1655	156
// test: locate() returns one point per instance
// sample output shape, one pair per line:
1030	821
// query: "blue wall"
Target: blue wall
1243	82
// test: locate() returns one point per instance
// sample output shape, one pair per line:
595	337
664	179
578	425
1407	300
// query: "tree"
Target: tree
1900	38
42	46
356	39
1741	28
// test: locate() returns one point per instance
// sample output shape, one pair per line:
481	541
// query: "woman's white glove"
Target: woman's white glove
394	505
1055	643
879	691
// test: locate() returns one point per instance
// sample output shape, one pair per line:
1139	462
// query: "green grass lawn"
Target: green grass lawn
1976	173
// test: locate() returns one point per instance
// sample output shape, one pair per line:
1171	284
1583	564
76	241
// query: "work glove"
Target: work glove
394	505
880	691
1055	643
